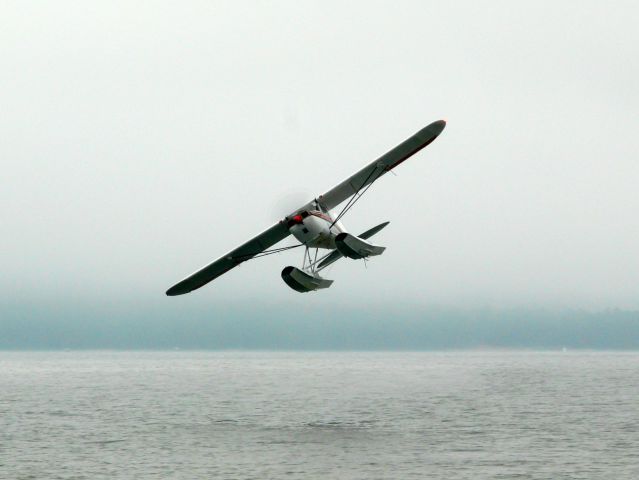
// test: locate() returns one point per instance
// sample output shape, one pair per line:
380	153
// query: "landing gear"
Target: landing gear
312	264
306	279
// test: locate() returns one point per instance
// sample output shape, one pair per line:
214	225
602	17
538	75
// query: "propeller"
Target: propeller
288	202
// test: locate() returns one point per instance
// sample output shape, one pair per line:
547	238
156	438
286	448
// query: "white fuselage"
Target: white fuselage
316	229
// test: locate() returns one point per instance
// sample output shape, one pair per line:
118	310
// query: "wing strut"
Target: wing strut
265	252
357	195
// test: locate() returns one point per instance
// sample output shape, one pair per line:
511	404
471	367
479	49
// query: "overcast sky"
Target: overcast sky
141	140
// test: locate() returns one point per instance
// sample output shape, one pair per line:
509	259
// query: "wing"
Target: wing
248	250
383	164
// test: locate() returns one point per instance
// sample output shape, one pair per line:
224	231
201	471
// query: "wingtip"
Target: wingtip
431	131
173	291
439	125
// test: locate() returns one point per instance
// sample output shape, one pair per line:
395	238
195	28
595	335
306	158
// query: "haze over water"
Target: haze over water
464	415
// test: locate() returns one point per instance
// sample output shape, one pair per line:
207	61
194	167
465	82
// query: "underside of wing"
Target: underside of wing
383	164
248	250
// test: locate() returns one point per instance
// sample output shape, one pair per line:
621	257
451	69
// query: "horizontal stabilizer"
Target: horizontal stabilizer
369	233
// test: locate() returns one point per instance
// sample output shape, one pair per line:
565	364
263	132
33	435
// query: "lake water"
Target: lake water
261	415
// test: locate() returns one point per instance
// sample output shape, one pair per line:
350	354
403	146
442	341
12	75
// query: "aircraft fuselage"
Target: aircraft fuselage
315	227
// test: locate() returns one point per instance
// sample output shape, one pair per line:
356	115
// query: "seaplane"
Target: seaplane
316	227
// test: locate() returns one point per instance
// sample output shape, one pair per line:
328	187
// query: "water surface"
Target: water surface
455	415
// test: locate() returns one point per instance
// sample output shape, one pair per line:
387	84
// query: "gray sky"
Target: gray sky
141	140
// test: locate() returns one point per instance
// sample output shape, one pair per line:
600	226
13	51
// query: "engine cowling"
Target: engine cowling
302	281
